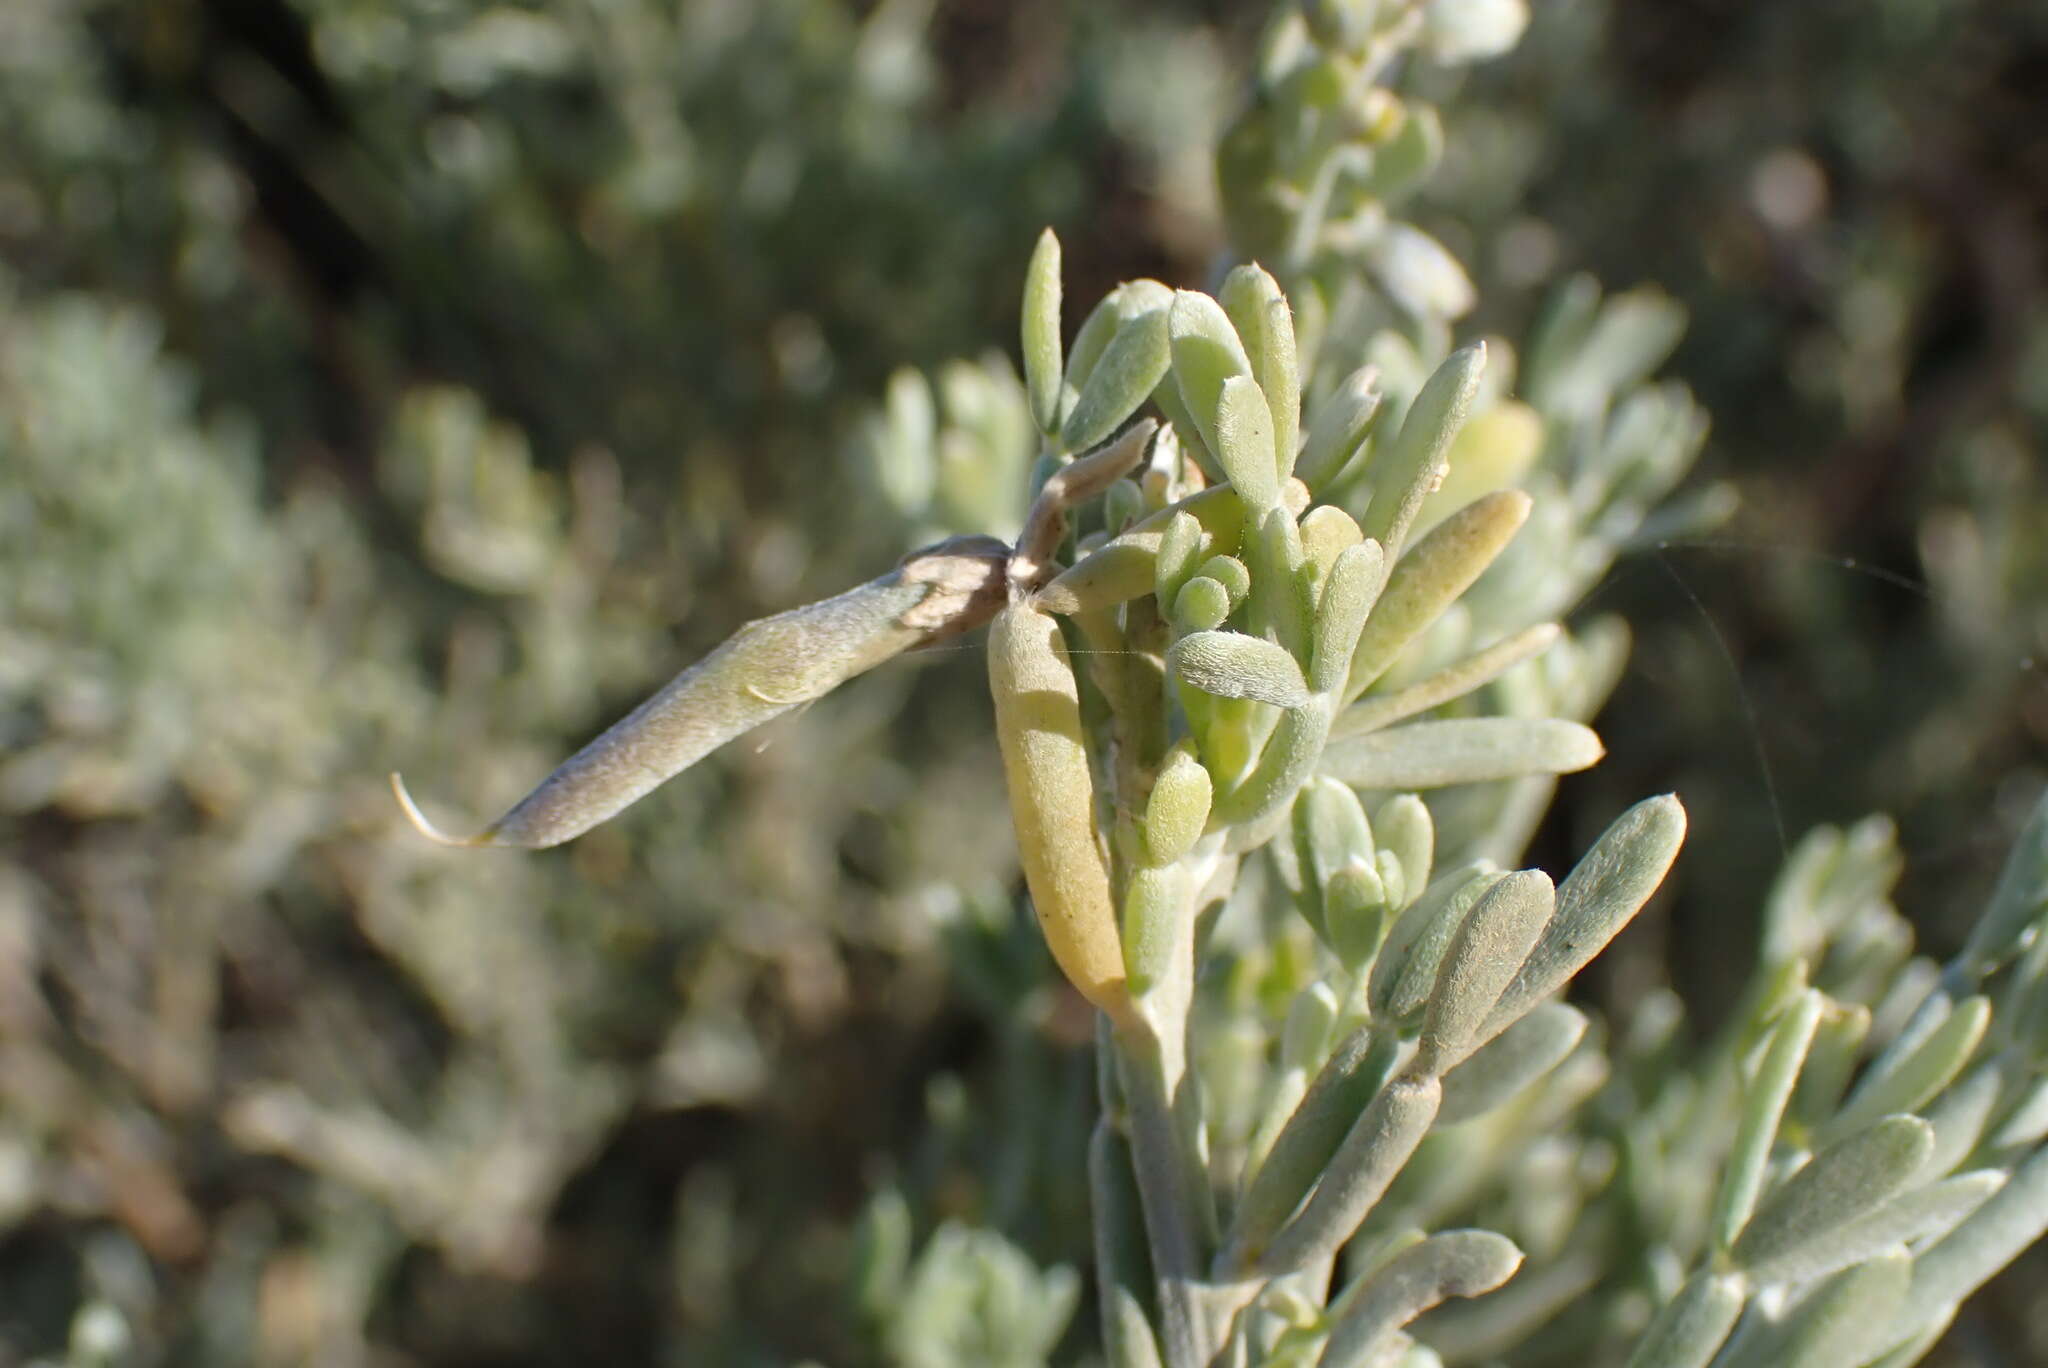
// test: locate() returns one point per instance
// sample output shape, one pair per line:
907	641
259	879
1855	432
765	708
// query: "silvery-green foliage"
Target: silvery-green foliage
967	1296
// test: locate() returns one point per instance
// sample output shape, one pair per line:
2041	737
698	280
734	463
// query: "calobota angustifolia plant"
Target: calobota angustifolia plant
1239	629
1233	644
1235	726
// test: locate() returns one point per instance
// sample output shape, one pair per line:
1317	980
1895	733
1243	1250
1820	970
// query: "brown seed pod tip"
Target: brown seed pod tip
422	825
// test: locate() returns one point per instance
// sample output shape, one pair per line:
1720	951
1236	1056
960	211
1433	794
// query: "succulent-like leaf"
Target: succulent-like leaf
1234	665
1906	1082
1839	1185
1346	1085
1375	1150
1178	807
1265	325
1431	577
1454	1263
1763	1106
1413	464
1462	750
1129	370
1244	444
1349	592
1341	426
1041	330
1500	1069
1491	942
1206	352
1052	801
1604	890
1688	1330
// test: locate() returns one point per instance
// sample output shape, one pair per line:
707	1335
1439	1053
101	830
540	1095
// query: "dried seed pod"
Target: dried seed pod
761	672
1052	801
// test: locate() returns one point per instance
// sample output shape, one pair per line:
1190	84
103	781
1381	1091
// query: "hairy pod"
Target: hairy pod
765	669
1052	801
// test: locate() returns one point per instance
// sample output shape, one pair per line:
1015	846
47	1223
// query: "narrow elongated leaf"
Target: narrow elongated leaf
1340	428
1492	941
1841	1184
1763	1106
1342	1090
1499	1070
1991	1238
1921	1214
1921	1073
1206	352
1462	750
1689	1329
1130	368
1374	1151
1052	801
1407	965
1842	1324
1348	596
1453	681
1455	1263
1042	332
1431	576
1413	464
1604	890
1265	325
1244	444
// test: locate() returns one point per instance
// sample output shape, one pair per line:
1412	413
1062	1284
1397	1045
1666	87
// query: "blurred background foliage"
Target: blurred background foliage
422	381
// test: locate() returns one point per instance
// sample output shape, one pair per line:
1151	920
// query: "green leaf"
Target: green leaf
1848	1320
1968	1256
1763	1106
1342	424
1130	368
1407	832
1374	1151
1178	807
1500	1069
1455	1263
1431	577
1461	750
1839	1185
1406	970
1413	464
1689	1329
1201	605
1350	591
1156	903
1234	665
1265	325
1921	1214
1041	331
1342	1090
1206	352
1244	444
1491	942
1906	1082
1451	682
1603	892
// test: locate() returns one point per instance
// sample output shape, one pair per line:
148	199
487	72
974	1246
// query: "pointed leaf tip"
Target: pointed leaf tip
422	825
